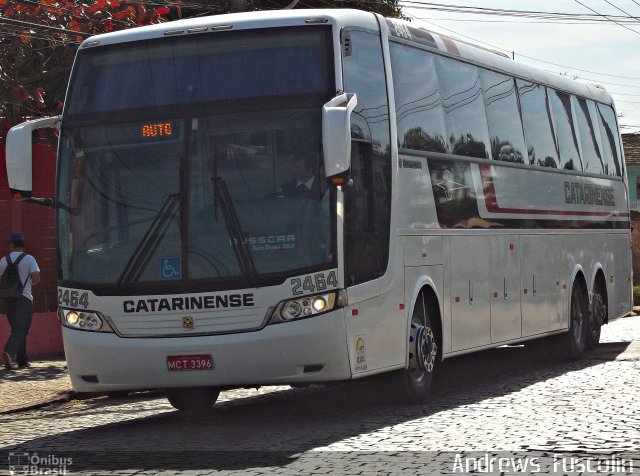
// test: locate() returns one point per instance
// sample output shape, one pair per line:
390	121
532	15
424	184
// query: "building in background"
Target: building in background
631	145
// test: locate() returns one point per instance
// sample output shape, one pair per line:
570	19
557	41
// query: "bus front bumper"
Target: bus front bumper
308	350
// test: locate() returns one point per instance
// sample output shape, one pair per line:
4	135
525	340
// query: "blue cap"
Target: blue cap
16	239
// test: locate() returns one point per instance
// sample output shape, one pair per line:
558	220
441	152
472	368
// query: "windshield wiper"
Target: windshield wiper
240	246
149	242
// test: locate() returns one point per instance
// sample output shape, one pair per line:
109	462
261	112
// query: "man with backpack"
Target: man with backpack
19	271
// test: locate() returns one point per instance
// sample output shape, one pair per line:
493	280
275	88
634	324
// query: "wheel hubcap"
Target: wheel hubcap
577	320
599	311
424	350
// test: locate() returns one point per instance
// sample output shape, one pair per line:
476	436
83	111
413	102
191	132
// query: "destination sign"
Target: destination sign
156	130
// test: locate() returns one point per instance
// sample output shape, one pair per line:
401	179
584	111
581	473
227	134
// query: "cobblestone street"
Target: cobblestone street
512	402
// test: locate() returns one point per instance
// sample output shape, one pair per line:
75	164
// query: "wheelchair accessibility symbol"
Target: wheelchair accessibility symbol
170	267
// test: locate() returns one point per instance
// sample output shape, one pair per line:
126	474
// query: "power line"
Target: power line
539	60
605	16
529	57
543	15
578	69
11	21
535	21
620	9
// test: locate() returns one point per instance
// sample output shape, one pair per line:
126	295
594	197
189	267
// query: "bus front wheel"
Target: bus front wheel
192	399
424	354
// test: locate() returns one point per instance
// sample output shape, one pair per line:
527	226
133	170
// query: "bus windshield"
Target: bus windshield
168	195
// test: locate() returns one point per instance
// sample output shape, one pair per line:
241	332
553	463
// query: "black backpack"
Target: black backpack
11	285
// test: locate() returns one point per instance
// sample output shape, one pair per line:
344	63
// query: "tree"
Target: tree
38	41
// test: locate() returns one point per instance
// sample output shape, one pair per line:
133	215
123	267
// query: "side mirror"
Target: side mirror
19	155
336	133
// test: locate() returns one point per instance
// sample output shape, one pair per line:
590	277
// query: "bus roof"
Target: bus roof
239	21
344	18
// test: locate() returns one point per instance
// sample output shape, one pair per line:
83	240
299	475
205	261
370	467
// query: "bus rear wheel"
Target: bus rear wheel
192	399
574	342
417	379
597	317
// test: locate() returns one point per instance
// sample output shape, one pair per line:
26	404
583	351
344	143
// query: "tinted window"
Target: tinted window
463	103
503	117
368	201
610	145
541	148
565	132
200	68
418	100
591	160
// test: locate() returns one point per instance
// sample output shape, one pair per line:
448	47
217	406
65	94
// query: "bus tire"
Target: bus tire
574	342
192	399
416	381
597	316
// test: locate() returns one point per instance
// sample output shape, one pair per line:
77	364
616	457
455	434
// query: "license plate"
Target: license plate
189	362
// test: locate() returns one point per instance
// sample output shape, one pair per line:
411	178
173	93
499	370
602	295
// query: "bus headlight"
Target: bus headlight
307	306
83	320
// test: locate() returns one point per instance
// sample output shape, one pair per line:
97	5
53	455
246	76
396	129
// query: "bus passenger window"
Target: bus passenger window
503	117
591	157
536	119
565	131
419	112
611	146
463	106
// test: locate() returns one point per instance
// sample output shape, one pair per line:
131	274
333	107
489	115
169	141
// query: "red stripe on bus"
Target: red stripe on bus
493	207
450	45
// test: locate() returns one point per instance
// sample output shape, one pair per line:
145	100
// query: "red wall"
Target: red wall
38	225
45	336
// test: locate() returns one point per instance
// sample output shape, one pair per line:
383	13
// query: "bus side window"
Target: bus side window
536	120
565	131
611	146
368	200
360	210
589	132
463	106
503	117
419	112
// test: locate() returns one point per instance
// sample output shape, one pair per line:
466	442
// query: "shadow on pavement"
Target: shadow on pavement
34	373
277	429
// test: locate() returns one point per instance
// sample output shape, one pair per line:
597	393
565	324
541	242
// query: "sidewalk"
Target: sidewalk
47	381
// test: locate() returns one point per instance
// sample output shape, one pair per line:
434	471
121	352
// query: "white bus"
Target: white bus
457	201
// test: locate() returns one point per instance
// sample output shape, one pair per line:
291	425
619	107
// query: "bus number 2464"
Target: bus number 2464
311	284
70	298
